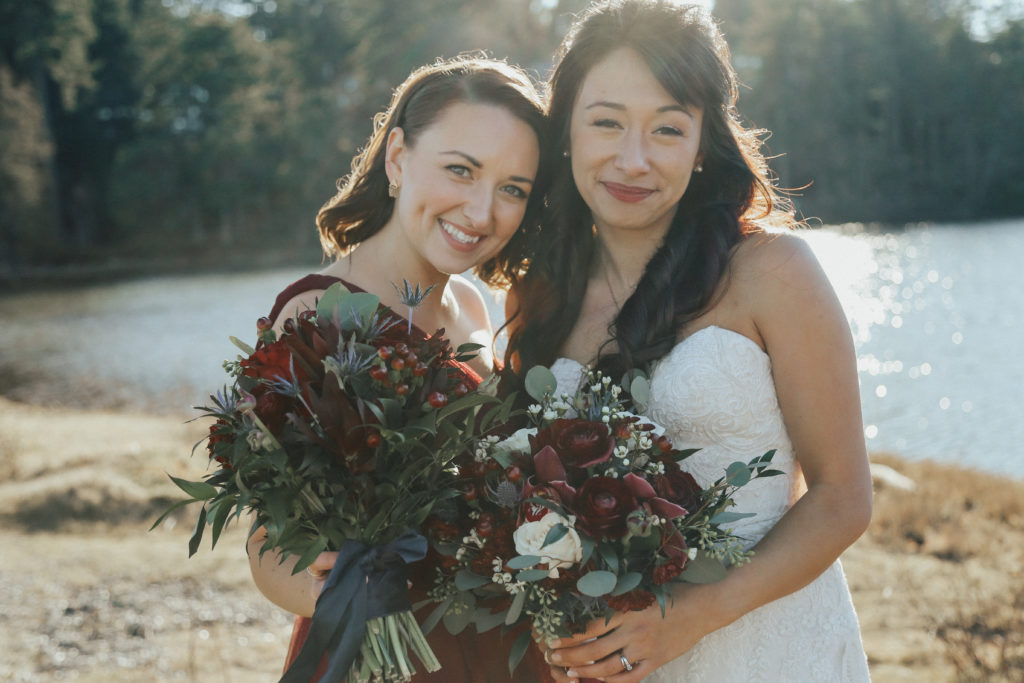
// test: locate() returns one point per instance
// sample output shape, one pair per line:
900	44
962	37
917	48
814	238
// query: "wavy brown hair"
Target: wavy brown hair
361	206
733	196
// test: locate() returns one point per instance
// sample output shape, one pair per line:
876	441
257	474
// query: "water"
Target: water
934	312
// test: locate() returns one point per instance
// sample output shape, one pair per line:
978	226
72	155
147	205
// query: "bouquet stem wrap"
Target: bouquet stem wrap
366	582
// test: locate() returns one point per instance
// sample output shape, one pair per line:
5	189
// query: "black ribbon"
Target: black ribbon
366	582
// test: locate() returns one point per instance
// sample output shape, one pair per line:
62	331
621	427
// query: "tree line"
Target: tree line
140	128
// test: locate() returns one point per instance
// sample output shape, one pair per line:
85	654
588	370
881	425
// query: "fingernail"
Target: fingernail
553	642
571	674
556	658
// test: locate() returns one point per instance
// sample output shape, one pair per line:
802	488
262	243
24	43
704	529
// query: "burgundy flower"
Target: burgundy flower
270	362
677	486
633	601
602	505
664	573
272	408
579	443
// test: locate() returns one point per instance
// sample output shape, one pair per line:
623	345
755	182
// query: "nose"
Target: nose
477	208
632	154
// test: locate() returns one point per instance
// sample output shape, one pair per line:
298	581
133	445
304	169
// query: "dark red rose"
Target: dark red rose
664	573
602	504
272	408
677	486
633	601
532	512
270	362
579	443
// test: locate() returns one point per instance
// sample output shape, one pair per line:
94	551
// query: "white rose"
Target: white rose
518	442
565	552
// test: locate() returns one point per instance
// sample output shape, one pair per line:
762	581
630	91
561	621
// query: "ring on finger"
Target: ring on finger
626	666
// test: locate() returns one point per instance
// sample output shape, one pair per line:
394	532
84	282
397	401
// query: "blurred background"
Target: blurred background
161	164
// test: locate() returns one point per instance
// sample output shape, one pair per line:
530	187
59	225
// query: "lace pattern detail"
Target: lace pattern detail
715	391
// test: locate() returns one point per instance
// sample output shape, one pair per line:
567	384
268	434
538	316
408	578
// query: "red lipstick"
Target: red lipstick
627	193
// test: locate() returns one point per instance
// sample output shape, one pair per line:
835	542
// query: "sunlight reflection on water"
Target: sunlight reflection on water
933	310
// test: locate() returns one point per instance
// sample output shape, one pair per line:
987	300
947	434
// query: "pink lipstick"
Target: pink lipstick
627	193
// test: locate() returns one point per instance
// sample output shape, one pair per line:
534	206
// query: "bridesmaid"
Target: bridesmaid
449	181
658	251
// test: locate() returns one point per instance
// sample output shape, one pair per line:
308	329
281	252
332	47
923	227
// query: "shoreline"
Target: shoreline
938	579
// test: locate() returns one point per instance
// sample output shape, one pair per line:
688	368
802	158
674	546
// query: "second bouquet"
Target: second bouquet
584	513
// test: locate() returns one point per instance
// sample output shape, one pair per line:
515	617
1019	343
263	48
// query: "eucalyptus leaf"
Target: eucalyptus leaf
703	569
522	561
727	517
737	474
627	582
555	534
486	620
531	575
597	583
516	609
610	557
330	300
518	650
435	616
587	545
466	580
540	382
460	614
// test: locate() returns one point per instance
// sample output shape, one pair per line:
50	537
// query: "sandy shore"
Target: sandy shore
86	593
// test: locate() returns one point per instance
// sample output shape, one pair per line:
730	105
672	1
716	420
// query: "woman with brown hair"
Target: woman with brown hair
661	250
449	181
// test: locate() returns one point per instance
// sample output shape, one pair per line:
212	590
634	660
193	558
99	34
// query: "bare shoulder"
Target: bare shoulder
781	256
297	304
470	302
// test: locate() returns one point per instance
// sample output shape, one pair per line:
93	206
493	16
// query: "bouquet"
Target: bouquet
340	435
584	513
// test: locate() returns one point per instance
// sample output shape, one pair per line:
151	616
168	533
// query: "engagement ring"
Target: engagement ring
626	666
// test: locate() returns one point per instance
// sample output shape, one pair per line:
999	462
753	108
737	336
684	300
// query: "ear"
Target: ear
394	155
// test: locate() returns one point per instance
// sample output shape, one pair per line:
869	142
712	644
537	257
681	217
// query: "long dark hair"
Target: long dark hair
362	206
733	196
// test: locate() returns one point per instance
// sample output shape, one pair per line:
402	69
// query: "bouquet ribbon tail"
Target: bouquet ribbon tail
366	582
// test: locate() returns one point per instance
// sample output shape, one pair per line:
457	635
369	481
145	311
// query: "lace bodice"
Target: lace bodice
715	391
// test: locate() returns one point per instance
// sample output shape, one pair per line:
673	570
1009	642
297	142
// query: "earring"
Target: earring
393	190
698	168
565	154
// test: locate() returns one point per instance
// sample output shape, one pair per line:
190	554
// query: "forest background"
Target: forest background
146	134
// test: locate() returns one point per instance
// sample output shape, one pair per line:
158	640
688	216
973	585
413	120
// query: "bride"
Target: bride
661	250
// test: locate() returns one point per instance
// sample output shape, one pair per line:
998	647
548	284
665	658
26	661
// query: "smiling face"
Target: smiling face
464	184
633	146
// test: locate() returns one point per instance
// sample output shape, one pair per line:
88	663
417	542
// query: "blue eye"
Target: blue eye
516	191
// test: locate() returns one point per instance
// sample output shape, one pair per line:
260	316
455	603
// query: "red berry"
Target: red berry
289	326
484	528
397	363
420	369
622	431
264	324
437	400
307	314
384	352
401	389
469	492
664	445
401	349
373	440
461	389
513	474
379	373
411	358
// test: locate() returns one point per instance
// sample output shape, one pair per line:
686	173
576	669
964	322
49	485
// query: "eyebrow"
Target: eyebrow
622	107
477	164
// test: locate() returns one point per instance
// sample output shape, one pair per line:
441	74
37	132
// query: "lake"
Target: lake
934	312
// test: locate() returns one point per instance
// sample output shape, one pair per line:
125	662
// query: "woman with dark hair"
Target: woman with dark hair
662	250
450	180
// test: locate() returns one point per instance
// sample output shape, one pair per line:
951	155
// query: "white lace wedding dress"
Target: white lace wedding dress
714	391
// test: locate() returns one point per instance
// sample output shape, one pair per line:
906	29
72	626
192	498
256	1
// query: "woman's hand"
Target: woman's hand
320	570
644	638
